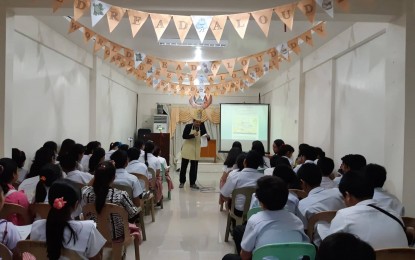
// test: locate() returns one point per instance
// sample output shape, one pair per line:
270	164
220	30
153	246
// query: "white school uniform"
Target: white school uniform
135	166
108	154
370	225
9	235
245	178
85	162
386	200
291	205
338	179
267	162
327	183
268	227
318	200
153	161
122	177
21	173
299	166
79	177
89	241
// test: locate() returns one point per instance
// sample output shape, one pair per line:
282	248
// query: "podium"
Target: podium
162	140
210	150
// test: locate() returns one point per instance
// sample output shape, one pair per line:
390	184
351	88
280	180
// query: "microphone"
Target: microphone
197	129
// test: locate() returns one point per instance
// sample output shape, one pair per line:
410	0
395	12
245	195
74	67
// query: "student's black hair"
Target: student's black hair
124	147
120	158
301	147
43	156
156	150
310	174
279	142
77	150
58	218
114	145
91	146
96	157
133	154
138	144
281	161
148	148
272	192
51	145
68	162
66	146
286	173
47	176
310	153
240	161
253	160
237	144
376	174
344	246
19	157
284	149
104	175
232	155
320	152
326	166
354	161
258	147
357	185
8	168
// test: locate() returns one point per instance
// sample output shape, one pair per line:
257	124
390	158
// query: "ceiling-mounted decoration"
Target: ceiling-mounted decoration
201	24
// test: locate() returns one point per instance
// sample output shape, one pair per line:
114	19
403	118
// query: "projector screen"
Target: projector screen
244	123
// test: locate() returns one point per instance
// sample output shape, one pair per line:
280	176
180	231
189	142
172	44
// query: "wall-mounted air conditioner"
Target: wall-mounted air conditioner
161	124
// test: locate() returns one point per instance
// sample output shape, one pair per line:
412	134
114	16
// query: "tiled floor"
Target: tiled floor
190	227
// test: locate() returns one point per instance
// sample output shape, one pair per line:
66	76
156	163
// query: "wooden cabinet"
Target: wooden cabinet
162	140
210	150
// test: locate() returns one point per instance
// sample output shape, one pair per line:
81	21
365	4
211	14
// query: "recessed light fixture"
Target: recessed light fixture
193	43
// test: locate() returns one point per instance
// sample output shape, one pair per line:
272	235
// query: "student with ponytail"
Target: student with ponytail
113	147
153	162
59	230
48	175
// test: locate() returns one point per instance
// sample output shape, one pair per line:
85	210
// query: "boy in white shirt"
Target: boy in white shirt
308	156
135	166
68	163
326	166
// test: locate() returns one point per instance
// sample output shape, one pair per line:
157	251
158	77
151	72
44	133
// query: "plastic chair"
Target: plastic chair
38	250
326	216
147	203
163	174
153	185
410	229
105	228
300	193
247	193
20	211
395	254
253	211
5	253
40	210
285	251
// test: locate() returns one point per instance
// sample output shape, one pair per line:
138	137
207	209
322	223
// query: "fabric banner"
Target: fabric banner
160	23
263	19
286	14
74	26
137	19
327	6
88	34
283	50
308	8
215	67
229	65
307	38
217	26
202	24
114	16
98	10
240	23
79	8
183	24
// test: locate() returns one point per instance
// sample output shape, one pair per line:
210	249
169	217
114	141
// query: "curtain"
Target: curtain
184	114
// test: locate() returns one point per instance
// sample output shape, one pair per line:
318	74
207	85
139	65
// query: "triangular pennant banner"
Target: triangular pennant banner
293	45
179	66
245	63
114	16
283	50
202	24
99	42
138	58
193	66
259	57
307	38
129	54
327	6
98	10
137	19
107	52
57	4
308	8
320	29
240	23
274	63
79	8
160	23
74	26
272	53
183	24
205	67
286	14
215	68
344	5
218	25
263	19
88	34
229	65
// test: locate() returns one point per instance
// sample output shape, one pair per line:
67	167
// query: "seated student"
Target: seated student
344	246
66	146
89	150
20	158
135	166
9	235
286	151
275	147
229	164
165	166
8	176
308	156
320	154
48	175
326	166
376	174
43	156
68	163
350	162
381	228
52	146
151	161
59	230
258	146
98	156
78	150
273	224
139	144
318	199
101	193
122	177
113	147
239	165
245	178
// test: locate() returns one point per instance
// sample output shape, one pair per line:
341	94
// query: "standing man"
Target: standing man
191	150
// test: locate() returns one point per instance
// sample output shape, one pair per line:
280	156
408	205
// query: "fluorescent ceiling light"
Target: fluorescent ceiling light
193	43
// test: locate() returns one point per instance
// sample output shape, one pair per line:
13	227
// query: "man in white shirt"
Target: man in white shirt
326	166
350	162
273	224
318	199
381	228
68	163
135	166
308	156
376	174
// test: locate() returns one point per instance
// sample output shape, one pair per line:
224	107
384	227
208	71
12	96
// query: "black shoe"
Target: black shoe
181	185
194	187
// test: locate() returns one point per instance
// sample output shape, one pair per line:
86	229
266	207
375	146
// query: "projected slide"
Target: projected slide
244	123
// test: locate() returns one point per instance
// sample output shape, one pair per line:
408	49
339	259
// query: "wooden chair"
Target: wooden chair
147	203
285	251
300	193
10	209
153	185
38	250
247	193
395	254
105	228
5	253
39	210
326	216
137	203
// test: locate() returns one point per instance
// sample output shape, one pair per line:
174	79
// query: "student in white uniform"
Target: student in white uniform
318	199
97	157
286	151
344	246
381	228
80	236
350	162
258	146
113	147
135	166
326	166
66	146
308	156
48	175
9	235
376	174
89	150
273	224
153	162
68	163
20	158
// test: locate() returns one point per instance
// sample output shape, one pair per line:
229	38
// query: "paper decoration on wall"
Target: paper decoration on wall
79	7
327	6
98	10
160	23
114	16
215	67
229	65
57	4
218	25
240	23
183	24
308	8
286	14
137	19
202	24
263	19
307	38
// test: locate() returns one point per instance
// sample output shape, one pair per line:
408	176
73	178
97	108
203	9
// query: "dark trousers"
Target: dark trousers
192	173
238	233
231	257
